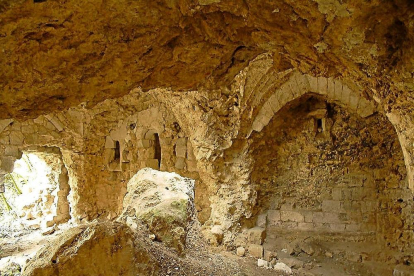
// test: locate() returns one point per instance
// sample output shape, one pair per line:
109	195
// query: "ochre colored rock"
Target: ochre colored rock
164	202
96	249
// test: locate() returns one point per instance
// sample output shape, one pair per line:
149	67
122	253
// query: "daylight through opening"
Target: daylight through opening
35	194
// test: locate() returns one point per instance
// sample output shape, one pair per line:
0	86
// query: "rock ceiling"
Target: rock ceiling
57	53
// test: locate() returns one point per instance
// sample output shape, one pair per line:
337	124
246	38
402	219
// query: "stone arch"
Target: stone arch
334	90
299	84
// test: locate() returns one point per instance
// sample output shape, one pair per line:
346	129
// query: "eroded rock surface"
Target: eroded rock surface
99	249
199	87
164	202
58	54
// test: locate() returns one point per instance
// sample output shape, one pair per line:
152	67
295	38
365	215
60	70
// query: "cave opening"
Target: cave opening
35	194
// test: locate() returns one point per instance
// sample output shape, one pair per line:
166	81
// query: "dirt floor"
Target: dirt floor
330	256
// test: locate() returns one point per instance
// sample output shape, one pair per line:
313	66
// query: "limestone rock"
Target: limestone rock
170	29
217	233
292	262
262	263
283	268
307	248
256	235
164	202
99	249
261	220
240	251
403	270
256	250
269	255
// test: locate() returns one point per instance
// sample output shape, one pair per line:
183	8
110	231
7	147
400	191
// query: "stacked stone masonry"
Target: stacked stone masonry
332	180
299	84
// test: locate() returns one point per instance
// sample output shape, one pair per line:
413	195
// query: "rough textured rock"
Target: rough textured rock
202	88
99	249
164	202
68	52
283	268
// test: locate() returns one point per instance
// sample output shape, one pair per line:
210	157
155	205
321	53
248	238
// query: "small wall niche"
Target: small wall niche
150	150
157	149
113	154
320	125
117	152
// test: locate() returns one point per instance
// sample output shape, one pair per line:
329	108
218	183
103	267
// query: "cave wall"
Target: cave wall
59	135
88	139
211	129
121	141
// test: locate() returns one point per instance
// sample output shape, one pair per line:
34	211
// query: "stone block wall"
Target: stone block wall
349	207
103	147
349	177
123	143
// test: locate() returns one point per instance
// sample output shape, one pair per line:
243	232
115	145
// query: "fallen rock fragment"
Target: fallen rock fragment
283	268
218	234
164	202
307	248
269	255
240	251
262	263
256	235
292	262
403	270
99	249
256	250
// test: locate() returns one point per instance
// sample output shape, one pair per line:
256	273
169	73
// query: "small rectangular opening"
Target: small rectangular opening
117	155
319	125
157	149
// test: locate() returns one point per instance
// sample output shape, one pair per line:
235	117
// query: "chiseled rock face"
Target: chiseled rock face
164	202
100	249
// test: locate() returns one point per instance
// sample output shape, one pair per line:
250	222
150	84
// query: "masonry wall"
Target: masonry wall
121	144
103	147
319	168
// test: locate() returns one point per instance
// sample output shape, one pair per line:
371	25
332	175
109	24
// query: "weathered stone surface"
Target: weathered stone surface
218	75
269	255
282	268
255	250
262	220
403	270
97	249
292	262
256	235
163	201
240	251
262	263
187	59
